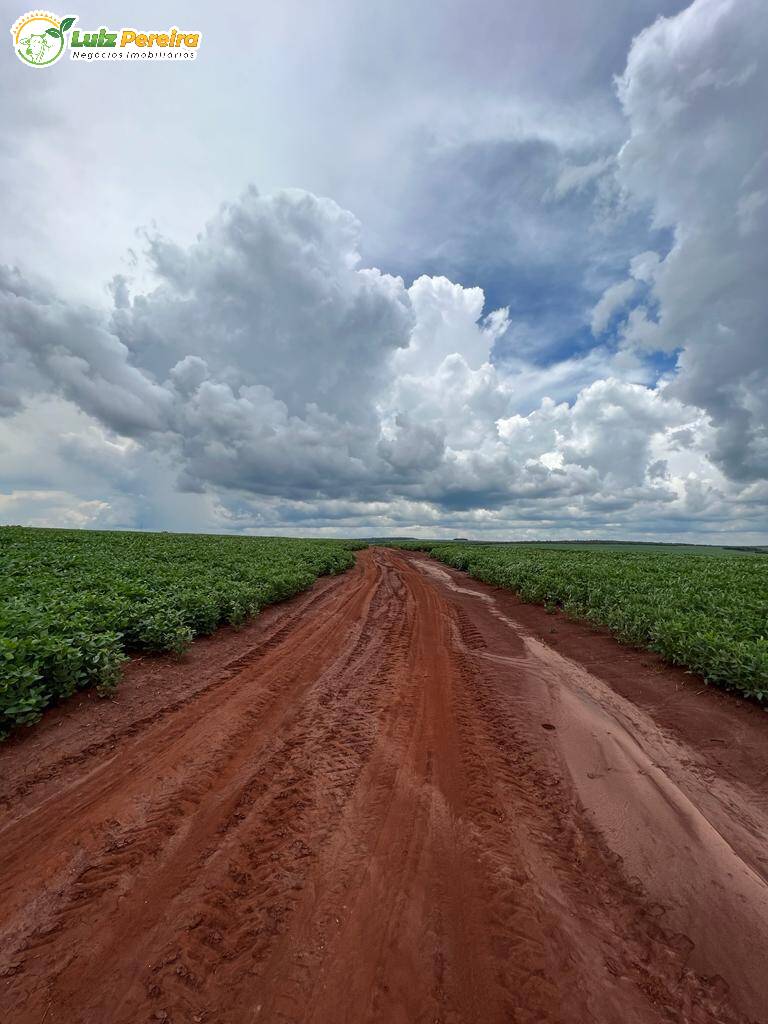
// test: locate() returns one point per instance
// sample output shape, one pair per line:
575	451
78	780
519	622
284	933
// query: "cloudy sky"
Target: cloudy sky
494	270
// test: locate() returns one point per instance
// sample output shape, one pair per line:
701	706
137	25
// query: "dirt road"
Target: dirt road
402	797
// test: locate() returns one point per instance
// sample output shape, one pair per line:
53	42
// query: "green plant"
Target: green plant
707	614
74	604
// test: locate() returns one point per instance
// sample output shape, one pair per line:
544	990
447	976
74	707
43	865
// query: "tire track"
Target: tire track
371	812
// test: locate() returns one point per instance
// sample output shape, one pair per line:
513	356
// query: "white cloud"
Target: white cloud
694	94
613	300
282	379
205	373
51	508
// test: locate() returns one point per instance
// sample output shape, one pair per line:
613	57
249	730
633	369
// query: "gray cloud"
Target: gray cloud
694	93
267	361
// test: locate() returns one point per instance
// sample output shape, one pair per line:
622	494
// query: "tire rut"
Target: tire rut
364	815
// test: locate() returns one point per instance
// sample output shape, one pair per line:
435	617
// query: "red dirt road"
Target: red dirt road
402	797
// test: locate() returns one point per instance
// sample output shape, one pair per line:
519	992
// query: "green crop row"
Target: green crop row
74	603
707	614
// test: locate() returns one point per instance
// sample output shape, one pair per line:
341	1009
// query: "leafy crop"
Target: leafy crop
73	602
707	614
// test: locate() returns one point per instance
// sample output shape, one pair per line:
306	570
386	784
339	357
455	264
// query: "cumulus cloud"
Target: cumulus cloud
267	366
272	294
694	95
47	343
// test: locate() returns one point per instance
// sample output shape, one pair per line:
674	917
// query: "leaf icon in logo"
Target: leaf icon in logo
67	24
54	32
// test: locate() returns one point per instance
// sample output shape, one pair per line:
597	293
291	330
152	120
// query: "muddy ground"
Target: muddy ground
402	797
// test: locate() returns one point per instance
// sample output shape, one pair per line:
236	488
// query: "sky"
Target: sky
490	270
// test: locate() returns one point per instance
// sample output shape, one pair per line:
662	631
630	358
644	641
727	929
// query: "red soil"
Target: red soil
401	797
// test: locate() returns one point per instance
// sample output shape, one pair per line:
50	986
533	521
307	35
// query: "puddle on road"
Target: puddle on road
445	578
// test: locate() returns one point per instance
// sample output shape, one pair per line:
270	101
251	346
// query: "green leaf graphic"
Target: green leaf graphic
67	23
54	32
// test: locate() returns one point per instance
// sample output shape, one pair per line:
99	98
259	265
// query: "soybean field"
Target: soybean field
74	603
709	614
